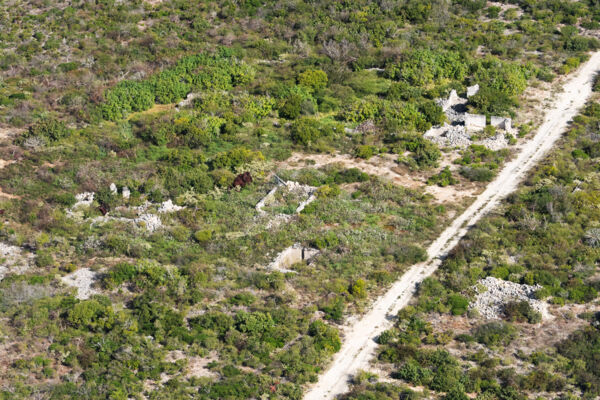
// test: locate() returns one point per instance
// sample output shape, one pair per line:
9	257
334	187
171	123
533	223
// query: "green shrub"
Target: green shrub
236	157
425	153
120	273
326	337
458	304
443	178
203	236
64	199
43	258
291	107
359	289
521	311
50	129
314	79
495	333
477	174
328	240
307	131
105	197
92	315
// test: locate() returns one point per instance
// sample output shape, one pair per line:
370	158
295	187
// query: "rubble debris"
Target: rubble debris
474	122
13	260
150	222
168	206
187	101
497	293
292	255
455	132
82	279
452	100
472	90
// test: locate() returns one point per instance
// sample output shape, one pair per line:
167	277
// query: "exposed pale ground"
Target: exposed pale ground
385	166
359	340
82	279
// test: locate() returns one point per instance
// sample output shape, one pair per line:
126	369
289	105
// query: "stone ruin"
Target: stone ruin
472	90
501	123
452	100
306	192
460	124
290	256
493	294
474	122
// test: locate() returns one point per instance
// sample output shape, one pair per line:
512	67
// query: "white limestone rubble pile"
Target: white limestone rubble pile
13	259
496	293
82	279
144	218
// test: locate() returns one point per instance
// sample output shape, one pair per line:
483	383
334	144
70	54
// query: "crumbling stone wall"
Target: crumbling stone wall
472	90
474	122
501	123
450	101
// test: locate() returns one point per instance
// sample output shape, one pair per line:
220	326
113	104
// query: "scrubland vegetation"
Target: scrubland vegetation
171	100
544	234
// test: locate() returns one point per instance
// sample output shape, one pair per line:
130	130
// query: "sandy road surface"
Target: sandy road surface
359	341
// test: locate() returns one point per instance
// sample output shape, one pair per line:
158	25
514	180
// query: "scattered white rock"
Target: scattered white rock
449	136
83	199
187	101
113	188
306	191
290	256
82	279
145	219
306	202
277	220
150	222
495	143
13	260
168	206
490	302
263	202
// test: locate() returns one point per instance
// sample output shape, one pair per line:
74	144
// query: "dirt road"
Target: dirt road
359	341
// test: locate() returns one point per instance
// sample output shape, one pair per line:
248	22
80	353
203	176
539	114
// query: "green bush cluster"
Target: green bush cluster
443	178
198	72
